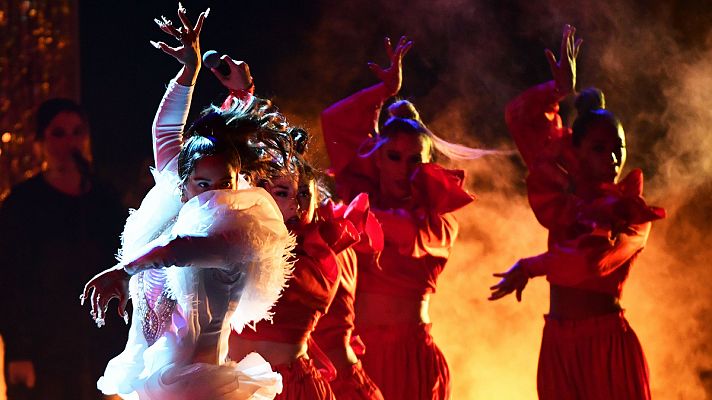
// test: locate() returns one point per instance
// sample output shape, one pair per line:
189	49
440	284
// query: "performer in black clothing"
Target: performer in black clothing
57	229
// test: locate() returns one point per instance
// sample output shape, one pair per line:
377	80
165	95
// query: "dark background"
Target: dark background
469	58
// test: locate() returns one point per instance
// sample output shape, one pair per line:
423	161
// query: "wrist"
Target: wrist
564	88
123	268
188	75
240	92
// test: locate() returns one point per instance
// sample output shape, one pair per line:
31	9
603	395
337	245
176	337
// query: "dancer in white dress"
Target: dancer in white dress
204	252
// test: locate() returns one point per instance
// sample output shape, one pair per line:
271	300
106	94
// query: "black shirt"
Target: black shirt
51	244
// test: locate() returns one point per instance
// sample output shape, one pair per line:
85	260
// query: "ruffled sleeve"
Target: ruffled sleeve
366	230
235	230
438	190
350	122
535	125
533	120
334	329
429	228
592	255
348	126
618	224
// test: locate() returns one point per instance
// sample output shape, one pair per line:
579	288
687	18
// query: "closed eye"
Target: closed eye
393	156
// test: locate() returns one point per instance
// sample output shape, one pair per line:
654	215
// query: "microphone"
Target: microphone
212	59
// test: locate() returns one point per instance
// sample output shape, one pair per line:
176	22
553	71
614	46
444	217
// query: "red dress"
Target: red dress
594	237
401	358
307	297
335	328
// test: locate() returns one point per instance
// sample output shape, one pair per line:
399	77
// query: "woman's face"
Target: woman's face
602	152
296	199
67	134
396	160
210	173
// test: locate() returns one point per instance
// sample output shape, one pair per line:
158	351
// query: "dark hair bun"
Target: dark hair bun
590	99
403	109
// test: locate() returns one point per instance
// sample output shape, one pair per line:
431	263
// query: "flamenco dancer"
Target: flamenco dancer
323	234
205	252
334	333
413	198
598	224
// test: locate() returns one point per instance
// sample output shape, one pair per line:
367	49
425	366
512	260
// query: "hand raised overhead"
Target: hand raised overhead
188	53
564	71
392	76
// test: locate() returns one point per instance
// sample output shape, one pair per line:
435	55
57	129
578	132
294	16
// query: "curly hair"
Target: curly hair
253	135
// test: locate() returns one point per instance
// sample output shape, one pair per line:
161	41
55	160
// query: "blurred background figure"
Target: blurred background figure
57	229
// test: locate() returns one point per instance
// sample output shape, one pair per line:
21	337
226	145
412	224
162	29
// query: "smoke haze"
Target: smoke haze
470	57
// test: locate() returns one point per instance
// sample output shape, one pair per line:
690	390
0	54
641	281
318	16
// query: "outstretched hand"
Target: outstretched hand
109	284
564	71
392	76
515	279
188	53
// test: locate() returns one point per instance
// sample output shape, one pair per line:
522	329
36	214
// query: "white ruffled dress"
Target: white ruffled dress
188	310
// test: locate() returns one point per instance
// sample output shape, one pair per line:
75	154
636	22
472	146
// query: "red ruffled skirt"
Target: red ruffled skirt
302	381
405	363
596	358
354	384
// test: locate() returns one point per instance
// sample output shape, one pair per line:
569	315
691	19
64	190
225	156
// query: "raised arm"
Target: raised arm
535	125
348	123
532	117
172	112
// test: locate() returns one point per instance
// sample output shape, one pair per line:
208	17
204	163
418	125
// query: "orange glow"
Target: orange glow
6	137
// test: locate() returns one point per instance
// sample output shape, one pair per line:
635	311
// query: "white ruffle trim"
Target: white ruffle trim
259	248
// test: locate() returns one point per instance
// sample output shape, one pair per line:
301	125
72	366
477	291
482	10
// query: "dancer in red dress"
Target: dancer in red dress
413	198
333	334
324	239
597	225
321	235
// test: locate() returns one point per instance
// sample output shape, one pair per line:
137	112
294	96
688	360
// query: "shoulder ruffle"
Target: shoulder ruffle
620	205
156	214
351	225
260	245
439	190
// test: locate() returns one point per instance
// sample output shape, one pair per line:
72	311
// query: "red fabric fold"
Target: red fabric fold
355	384
301	380
592	359
622	203
439	190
